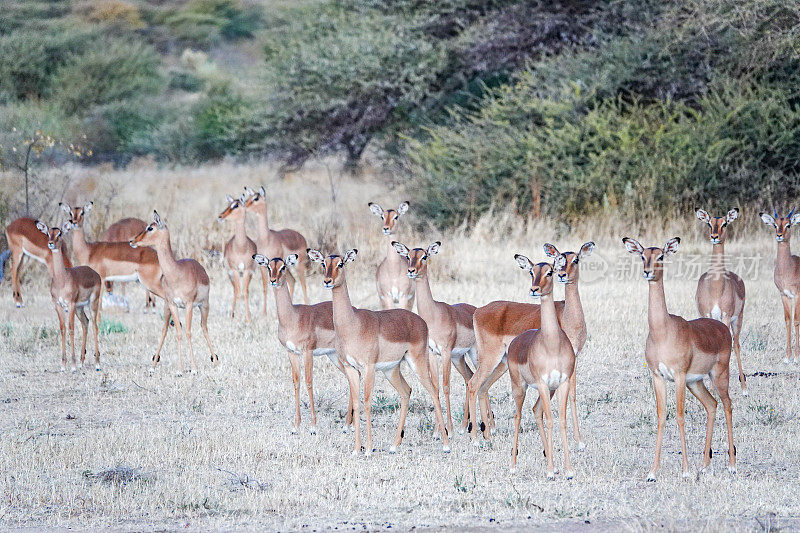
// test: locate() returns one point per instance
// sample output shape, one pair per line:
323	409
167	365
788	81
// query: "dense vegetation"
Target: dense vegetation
569	106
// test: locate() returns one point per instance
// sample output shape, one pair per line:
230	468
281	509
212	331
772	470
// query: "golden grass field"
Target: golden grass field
121	448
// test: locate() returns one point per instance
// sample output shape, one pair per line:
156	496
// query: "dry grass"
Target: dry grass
122	448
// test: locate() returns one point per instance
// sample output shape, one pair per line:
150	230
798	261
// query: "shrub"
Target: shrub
217	121
185	81
114	12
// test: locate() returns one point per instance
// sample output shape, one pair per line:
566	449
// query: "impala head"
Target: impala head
235	208
388	217
717	225
332	266
276	267
568	272
417	258
541	274
150	235
652	258
256	200
54	235
781	224
76	214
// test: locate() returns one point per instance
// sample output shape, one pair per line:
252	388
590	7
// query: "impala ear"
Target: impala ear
767	219
703	216
633	246
350	255
400	248
402	209
262	191
523	262
550	250
260	260
88	207
64	207
316	256
733	214
672	246
291	259
586	250
41	226
795	219
433	249
376	209
242	199
66	227
157	220
249	191
229	198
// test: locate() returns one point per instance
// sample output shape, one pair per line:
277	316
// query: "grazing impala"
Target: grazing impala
186	286
25	240
684	352
239	251
277	243
498	323
720	292
450	333
394	287
73	290
124	230
367	341
305	331
543	358
787	277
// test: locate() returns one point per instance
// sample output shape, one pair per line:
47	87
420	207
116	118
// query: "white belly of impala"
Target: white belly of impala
292	348
36	257
385	367
123	278
691	378
788	293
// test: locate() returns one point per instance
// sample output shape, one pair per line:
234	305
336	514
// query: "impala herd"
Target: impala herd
536	343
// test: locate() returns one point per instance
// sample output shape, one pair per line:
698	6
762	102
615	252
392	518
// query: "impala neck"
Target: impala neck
717	269
572	302
166	258
240	233
426	306
263	225
283	304
57	267
657	314
343	313
550	325
79	245
784	258
391	255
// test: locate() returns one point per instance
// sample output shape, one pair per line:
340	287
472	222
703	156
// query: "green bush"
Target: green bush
185	81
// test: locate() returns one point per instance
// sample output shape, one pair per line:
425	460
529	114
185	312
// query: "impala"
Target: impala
684	352
276	243
25	240
73	290
367	341
720	292
186	286
543	358
450	333
394	287
305	331
239	251
124	230
498	323
787	276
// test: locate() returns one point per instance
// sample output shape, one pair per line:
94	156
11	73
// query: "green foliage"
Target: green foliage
218	119
109	326
204	23
185	81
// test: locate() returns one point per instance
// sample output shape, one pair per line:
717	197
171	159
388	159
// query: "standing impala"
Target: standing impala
367	341
684	352
25	240
124	230
543	358
239	251
720	292
787	277
497	323
186	286
305	331
450	333
277	243
394	287
72	289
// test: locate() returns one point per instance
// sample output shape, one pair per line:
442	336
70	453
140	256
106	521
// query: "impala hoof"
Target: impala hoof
651	477
732	470
74	369
151	370
446	448
193	371
97	368
294	430
551	476
786	361
313	430
179	374
745	392
63	368
19	305
393	449
581	446
570	474
686	475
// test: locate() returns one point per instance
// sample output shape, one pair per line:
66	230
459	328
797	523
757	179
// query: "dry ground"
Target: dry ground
121	448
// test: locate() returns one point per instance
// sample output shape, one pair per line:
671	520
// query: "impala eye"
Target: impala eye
149	228
660	257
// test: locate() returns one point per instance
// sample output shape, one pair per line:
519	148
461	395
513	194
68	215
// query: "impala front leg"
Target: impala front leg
294	360
63	329
308	361
352	378
563	396
71	325
787	317
369	383
660	389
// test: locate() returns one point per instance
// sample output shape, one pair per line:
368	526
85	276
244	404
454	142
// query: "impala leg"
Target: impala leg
204	309
234	277
433	368
264	289
167	318
96	321
466	372
563	397
295	363
699	390
787	317
660	389
71	326
544	397
418	364
680	407
369	384
189	313
348	418
736	330
485	368
538	416
248	275
486	410
518	390
16	264
177	321
401	386
352	378
796	302
308	361
572	403
63	329
84	320
447	368
721	378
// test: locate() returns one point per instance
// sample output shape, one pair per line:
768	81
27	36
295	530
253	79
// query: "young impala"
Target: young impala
394	287
124	230
25	240
73	290
277	243
186	286
787	277
450	333
367	341
239	252
545	359
684	352
720	292
305	331
497	323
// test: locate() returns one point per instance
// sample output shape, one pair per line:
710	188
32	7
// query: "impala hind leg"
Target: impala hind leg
308	371
62	327
248	275
721	377
167	319
486	409
446	372
466	372
787	317
796	320
486	365
417	362
204	309
294	360
95	306
353	380
735	328
563	396
84	320
71	326
369	384
699	390
544	397
17	258
234	277
433	368
189	313
680	408
572	403
404	390
518	389
660	390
